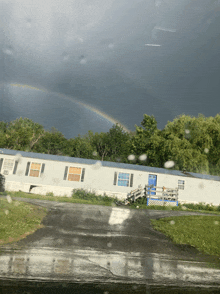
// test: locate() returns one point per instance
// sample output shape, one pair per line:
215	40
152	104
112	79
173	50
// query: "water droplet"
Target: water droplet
201	185
158	3
187	131
82	59
8	51
18	157
169	164
9	199
29	22
143	157
111	46
109	244
6	212
65	57
97	165
95	153
206	150
172	222
131	157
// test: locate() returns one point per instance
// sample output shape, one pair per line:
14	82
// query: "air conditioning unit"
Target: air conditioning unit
5	172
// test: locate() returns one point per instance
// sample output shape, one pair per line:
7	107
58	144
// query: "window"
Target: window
34	169
75	174
123	179
8	165
181	184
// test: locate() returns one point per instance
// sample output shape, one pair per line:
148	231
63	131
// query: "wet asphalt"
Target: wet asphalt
69	225
105	246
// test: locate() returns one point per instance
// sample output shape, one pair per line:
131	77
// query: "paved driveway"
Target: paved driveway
112	243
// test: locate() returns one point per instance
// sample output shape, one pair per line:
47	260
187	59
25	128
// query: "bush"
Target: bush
200	206
2	183
49	194
85	195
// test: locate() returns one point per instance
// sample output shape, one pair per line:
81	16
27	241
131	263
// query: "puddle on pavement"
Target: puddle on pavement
108	267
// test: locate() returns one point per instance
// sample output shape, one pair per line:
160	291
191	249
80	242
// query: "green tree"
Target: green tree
3	129
23	134
186	138
147	140
52	142
80	147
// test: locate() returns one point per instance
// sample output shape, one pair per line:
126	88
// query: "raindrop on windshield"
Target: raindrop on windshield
29	22
131	157
18	157
9	199
65	57
169	164
158	3
111	46
82	59
8	51
143	157
97	165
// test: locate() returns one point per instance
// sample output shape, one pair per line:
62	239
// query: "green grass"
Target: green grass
78	196
200	231
200	207
18	219
85	197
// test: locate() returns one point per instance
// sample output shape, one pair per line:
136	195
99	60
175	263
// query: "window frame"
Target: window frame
10	171
67	173
33	169
181	184
117	178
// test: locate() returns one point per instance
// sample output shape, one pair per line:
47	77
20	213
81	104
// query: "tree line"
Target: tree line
192	143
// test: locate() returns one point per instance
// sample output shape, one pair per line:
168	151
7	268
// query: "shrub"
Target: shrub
2	183
49	194
91	196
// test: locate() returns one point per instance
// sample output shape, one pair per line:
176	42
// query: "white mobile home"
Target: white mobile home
43	173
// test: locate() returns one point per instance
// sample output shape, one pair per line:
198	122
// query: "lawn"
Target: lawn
18	219
200	231
79	197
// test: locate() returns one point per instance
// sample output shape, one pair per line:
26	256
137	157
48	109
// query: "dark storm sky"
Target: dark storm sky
123	57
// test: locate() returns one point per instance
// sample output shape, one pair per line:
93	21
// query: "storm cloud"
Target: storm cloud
124	58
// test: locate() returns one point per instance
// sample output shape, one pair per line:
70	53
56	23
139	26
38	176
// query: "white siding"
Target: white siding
100	180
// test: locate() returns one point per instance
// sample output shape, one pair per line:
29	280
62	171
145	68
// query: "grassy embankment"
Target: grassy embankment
202	232
19	219
199	231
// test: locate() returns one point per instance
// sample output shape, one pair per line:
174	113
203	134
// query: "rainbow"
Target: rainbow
93	109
